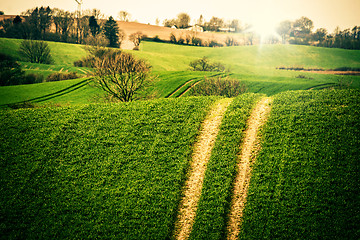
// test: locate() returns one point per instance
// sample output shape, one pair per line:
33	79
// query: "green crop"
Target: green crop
110	171
305	181
211	216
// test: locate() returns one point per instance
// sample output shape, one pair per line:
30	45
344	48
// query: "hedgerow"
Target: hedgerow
96	171
305	181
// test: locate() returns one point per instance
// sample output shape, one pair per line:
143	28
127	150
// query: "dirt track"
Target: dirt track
242	180
201	155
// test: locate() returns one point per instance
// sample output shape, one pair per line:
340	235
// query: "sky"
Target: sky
263	15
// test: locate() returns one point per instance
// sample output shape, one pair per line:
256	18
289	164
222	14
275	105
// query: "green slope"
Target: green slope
110	171
254	65
305	181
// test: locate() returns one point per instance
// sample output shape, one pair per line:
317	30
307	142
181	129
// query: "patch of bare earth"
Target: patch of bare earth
334	72
200	158
249	149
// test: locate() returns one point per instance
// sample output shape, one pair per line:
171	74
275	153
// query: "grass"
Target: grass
62	53
62	92
211	216
96	171
253	65
305	181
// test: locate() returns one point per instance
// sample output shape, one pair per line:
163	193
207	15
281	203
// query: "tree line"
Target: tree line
44	23
301	32
215	24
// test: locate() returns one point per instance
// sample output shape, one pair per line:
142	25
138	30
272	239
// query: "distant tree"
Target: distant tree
136	38
169	22
17	20
214	24
157	22
204	64
304	25
63	21
283	29
124	16
111	31
183	20
94	26
35	51
45	19
121	75
235	23
2	13
200	21
320	34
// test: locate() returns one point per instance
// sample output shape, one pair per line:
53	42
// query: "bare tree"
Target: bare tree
120	74
284	30
136	38
124	16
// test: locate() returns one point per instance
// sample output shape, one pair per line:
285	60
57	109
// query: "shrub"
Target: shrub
10	71
61	76
173	38
156	39
230	41
227	87
214	43
203	64
136	38
35	51
32	78
196	41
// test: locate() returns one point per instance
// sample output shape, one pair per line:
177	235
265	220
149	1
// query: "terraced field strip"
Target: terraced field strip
242	179
201	155
180	87
188	89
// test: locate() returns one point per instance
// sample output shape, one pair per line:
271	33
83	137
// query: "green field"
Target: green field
79	167
253	65
305	182
96	171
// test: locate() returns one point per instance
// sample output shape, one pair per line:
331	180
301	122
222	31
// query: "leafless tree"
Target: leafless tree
120	74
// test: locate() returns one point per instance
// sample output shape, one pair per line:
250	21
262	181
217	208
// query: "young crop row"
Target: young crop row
214	204
96	171
305	181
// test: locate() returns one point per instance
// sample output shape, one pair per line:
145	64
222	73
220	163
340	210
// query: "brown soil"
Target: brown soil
334	72
201	155
242	179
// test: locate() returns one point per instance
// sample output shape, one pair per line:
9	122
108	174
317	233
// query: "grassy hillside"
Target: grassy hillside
62	53
96	171
254	65
116	170
305	181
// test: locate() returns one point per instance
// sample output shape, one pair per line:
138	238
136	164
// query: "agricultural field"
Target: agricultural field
256	66
82	167
213	208
305	181
90	171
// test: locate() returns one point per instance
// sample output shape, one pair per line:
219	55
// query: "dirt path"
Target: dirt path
241	182
201	155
